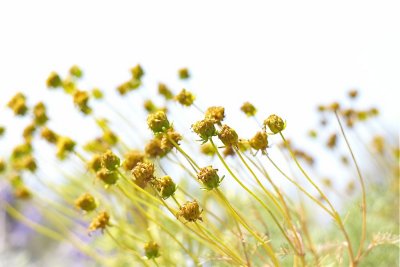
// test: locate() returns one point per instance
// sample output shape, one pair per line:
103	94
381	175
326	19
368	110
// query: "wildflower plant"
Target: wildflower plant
123	198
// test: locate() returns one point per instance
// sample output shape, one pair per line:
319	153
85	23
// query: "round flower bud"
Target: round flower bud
153	148
2	165
208	149
54	80
275	123
332	141
259	141
215	114
97	93
183	73
228	136
228	151
100	222
81	100
86	202
29	132
209	177
158	121
22	192
107	176
165	186
76	72
110	161
151	249
132	158
190	211
144	173
166	144
185	98
64	145
39	113
248	109
205	129
137	72
49	135
95	163
18	104
165	91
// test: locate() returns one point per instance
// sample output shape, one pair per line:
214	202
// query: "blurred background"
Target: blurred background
285	57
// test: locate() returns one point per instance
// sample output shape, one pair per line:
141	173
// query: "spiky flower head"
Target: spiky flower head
158	121
165	186
151	250
110	161
101	221
190	211
143	173
132	158
205	129
215	114
275	123
209	177
259	141
86	202
248	109
153	148
185	98
228	136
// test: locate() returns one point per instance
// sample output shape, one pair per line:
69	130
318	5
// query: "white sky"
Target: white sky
285	56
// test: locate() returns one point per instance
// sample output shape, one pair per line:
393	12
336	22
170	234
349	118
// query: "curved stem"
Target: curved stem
364	198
